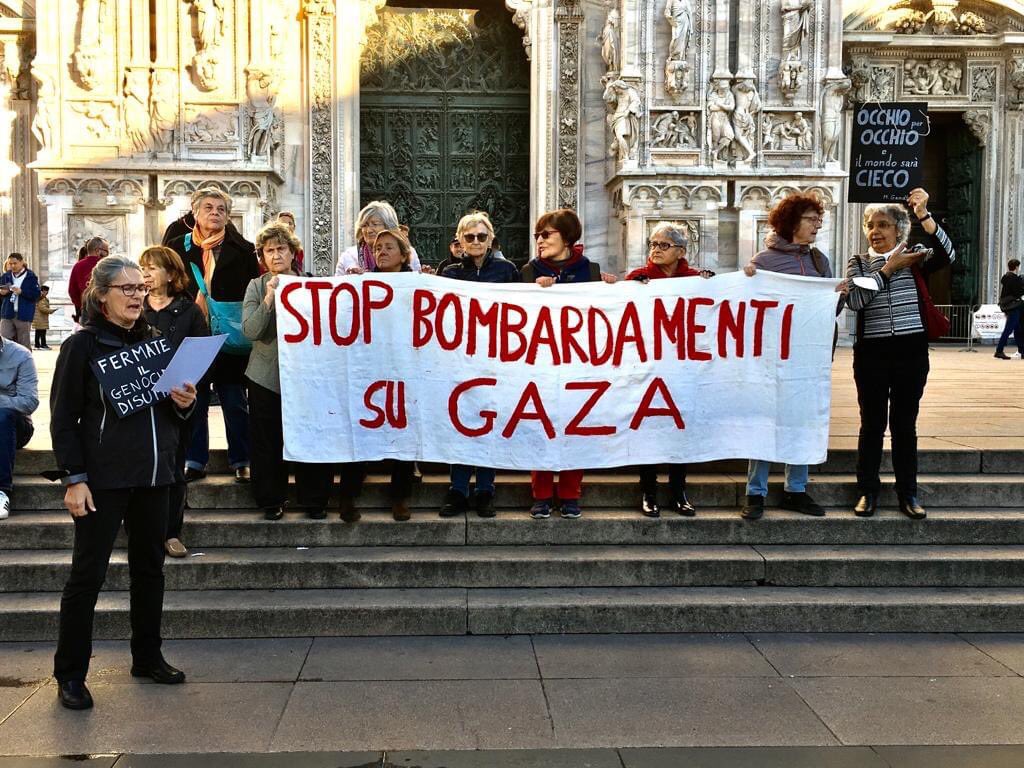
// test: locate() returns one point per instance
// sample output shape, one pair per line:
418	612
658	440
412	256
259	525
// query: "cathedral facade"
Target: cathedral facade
634	112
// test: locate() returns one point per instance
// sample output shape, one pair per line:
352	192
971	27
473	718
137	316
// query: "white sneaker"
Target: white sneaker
5	506
1015	356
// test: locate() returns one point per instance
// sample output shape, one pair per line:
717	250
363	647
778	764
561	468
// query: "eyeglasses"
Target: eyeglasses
815	219
544	234
131	289
480	237
655	245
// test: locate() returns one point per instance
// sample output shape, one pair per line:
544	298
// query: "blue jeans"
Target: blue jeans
461	474
236	423
15	432
1012	327
757	477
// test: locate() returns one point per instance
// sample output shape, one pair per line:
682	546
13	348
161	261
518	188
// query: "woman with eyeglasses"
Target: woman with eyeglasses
666	258
116	469
478	264
559	260
375	217
795	221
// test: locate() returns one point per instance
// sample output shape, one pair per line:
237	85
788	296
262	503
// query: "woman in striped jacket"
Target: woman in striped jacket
890	356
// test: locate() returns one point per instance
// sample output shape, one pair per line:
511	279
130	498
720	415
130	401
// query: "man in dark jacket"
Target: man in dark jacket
19	289
227	262
1011	301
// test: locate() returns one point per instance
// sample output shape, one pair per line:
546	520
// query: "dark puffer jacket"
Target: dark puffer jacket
492	270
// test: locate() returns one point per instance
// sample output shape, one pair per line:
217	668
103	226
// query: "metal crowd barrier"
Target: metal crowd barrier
961	324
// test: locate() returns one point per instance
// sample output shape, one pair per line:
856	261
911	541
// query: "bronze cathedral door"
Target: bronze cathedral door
445	123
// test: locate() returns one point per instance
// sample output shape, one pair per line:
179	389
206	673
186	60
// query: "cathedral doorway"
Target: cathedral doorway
445	121
953	177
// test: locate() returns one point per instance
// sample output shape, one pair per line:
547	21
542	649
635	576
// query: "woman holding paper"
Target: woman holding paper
170	310
116	469
890	355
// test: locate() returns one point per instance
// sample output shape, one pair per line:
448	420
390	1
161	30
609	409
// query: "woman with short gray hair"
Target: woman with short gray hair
890	355
376	216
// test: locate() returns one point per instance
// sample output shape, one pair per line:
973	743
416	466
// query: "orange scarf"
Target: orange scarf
209	244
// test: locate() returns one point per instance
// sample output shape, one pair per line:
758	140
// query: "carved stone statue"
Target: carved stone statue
208	37
260	87
670	131
795	25
89	55
792	75
951	76
860	78
163	109
679	14
12	63
932	78
747	105
720	135
136	109
42	123
609	39
676	77
833	98
623	102
1015	80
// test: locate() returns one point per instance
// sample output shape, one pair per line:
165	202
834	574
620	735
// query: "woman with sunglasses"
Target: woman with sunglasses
116	469
559	260
478	264
666	258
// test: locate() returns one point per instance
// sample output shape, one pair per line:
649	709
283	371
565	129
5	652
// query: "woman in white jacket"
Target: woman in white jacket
375	217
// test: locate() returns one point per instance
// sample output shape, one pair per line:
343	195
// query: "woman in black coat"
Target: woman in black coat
116	469
169	309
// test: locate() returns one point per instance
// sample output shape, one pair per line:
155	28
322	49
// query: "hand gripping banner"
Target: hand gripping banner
411	366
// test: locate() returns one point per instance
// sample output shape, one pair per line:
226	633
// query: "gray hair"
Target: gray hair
898	213
675	234
103	276
201	194
382	210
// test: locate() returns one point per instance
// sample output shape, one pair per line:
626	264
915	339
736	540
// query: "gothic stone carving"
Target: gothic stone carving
623	102
787	131
90	56
792	78
679	15
744	125
261	87
983	83
42	123
208	35
570	22
860	79
609	39
216	125
135	112
936	77
320	22
980	123
163	109
674	131
720	106
99	119
1015	81
833	97
521	16
795	26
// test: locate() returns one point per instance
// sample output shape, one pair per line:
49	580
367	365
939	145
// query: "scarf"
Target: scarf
652	271
209	244
366	261
873	253
575	256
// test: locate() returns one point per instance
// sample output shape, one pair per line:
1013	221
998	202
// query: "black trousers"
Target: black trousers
269	470
676	479
145	509
890	375
40	338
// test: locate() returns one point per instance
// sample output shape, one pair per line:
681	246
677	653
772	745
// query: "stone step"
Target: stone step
331	612
600	490
934	457
536	567
247	528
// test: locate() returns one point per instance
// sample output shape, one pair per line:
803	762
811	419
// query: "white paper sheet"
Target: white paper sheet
867	283
193	359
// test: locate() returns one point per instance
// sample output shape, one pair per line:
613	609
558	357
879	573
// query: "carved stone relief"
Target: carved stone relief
833	98
792	78
320	21
623	101
208	35
521	10
672	130
569	17
46	106
163	109
940	20
679	16
983	83
135	109
980	123
883	83
936	77
1015	81
211	125
98	119
82	227
860	79
744	124
91	57
720	106
787	131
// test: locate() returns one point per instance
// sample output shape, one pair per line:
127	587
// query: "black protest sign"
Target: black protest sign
886	150
128	375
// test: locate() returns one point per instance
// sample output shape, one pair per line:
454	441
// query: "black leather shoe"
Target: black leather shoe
802	503
316	513
1002	355
74	695
192	474
866	505
649	506
454	504
912	508
682	505
753	509
161	672
483	503
273	513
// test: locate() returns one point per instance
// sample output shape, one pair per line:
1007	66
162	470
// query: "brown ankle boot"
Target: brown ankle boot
349	513
400	511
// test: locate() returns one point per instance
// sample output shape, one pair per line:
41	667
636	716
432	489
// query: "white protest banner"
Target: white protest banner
410	366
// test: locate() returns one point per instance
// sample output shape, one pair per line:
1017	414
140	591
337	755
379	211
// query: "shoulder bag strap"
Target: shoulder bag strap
199	279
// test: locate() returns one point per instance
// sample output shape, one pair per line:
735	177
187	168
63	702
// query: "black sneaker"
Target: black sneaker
802	503
273	513
454	504
571	509
483	502
753	509
541	509
317	513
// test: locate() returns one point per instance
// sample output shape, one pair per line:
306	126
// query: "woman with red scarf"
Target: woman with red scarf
666	258
559	259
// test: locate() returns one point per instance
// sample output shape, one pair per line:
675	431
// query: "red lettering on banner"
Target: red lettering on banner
396	405
761	307
314	287
787	330
512	328
530	395
423	304
353	334
602	357
730	324
453	343
696	329
656	387
393	412
488	320
569	331
574	427
369	304
380	416
543	333
453	409
629	330
673	326
286	304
